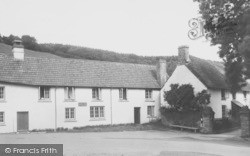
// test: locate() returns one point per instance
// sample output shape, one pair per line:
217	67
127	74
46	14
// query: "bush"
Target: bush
184	118
224	124
182	98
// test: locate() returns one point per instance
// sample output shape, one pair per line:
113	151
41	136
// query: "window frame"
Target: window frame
97	112
70	114
223	94
44	90
67	97
234	96
245	94
148	94
223	111
151	111
3	118
96	94
3	89
122	92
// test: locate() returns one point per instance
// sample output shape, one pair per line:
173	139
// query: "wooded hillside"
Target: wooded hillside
70	51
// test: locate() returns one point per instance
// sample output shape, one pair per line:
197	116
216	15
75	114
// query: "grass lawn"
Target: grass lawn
110	128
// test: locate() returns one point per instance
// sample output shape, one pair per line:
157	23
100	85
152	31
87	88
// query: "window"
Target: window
223	94
96	93
44	92
69	93
2	93
224	109
69	113
245	94
148	94
1	117
97	112
151	110
234	96
123	94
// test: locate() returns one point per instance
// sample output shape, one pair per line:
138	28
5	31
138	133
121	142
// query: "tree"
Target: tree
227	24
9	40
30	42
182	98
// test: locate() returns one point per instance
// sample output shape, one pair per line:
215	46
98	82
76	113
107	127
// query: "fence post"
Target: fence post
245	121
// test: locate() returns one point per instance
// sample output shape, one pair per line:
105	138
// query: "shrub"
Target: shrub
184	118
224	124
182	98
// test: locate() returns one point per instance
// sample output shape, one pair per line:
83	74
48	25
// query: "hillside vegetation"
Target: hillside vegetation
70	51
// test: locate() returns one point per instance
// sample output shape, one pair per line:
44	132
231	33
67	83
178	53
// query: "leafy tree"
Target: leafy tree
9	39
182	98
201	99
30	42
227	24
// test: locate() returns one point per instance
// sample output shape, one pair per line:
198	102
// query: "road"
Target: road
134	143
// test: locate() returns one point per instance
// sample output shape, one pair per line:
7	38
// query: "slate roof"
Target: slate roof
42	71
210	73
6	49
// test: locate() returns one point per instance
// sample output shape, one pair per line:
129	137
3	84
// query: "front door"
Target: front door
22	121
137	115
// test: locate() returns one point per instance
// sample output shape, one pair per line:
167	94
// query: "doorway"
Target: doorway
22	121
137	115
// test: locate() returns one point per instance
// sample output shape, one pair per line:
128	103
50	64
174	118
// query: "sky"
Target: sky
142	27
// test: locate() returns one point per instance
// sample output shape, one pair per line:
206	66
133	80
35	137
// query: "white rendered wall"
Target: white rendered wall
24	98
42	114
182	75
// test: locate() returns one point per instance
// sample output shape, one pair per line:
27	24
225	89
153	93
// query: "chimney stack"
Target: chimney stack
183	55
161	70
18	49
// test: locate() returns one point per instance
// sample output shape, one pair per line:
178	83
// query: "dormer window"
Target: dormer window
123	94
148	94
96	93
245	94
44	93
2	93
69	93
223	94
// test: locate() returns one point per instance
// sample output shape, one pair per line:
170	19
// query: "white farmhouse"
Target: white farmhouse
43	91
209	75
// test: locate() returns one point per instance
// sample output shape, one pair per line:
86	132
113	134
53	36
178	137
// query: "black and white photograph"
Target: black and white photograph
124	78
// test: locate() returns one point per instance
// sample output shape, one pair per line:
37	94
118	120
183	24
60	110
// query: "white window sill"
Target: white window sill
70	120
123	100
97	119
69	100
96	100
44	100
2	124
149	100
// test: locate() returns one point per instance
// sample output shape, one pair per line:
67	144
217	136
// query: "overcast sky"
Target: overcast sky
142	27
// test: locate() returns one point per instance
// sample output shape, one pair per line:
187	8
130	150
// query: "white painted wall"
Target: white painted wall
182	75
24	98
42	114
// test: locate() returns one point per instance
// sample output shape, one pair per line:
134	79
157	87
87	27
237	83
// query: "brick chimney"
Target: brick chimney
161	69
18	49
183	55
